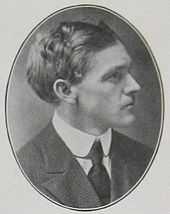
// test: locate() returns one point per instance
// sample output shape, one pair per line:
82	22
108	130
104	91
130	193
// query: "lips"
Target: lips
129	105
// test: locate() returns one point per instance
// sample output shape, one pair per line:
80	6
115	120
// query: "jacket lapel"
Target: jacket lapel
67	182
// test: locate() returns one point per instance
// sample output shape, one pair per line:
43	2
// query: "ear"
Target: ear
64	90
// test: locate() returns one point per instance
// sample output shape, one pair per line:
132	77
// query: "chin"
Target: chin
128	120
125	121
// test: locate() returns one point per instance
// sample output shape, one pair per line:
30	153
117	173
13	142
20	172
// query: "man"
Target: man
78	160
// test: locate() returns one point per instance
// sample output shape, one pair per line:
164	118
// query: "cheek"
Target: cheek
92	100
100	98
114	98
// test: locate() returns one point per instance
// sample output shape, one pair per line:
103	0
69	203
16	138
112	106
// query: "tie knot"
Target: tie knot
96	152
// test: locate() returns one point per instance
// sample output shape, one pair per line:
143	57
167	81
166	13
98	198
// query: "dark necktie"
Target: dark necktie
98	175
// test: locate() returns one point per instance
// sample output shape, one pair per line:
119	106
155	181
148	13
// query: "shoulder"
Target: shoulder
30	159
44	153
31	156
32	148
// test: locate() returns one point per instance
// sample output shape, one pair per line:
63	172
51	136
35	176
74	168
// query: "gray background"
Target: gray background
27	114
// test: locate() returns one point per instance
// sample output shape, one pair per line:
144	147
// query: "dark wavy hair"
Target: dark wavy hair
65	53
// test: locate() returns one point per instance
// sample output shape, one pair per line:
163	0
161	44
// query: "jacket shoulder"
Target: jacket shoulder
31	157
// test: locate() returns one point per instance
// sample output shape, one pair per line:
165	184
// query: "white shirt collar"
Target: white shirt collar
77	141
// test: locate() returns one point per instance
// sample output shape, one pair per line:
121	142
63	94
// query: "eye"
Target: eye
115	77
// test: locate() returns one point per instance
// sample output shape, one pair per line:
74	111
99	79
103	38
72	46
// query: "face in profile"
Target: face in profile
106	94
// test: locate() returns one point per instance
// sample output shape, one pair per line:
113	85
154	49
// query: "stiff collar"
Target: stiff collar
77	141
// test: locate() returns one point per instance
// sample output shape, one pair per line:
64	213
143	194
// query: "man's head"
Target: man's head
64	53
85	66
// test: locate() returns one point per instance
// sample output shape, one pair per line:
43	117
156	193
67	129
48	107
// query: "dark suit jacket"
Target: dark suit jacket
51	167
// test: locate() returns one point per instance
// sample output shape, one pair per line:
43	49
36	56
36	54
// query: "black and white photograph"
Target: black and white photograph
84	108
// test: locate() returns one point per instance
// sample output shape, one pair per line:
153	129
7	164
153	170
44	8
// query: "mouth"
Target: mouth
129	105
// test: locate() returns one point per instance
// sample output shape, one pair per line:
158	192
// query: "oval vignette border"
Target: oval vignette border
147	47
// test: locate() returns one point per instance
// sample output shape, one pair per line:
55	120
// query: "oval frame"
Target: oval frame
145	43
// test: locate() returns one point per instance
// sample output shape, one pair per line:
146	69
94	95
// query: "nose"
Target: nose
131	85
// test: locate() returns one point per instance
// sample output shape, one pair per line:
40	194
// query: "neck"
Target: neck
74	118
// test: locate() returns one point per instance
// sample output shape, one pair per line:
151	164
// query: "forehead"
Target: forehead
111	57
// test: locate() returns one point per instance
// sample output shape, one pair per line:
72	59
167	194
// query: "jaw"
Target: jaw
125	121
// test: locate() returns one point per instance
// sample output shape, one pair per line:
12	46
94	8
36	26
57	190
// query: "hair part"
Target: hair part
65	53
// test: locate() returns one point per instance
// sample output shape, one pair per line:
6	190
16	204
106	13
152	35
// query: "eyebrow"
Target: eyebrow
113	70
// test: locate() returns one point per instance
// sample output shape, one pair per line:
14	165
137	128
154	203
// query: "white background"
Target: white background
152	19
